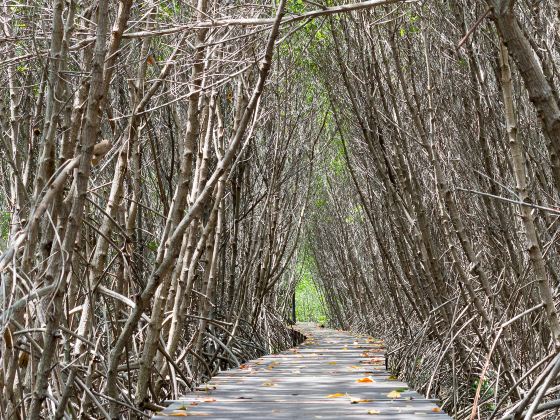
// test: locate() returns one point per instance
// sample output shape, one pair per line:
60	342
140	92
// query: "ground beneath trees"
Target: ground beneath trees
332	375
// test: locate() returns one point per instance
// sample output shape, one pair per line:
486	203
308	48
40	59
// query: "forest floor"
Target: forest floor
331	375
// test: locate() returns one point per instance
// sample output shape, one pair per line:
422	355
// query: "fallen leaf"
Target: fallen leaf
178	414
208	400
244	366
268	383
374	412
272	365
359	400
337	395
394	394
366	379
436	410
332	363
392	378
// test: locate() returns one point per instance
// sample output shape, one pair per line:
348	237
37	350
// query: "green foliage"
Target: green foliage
356	214
409	27
4	228
337	164
309	299
152	246
295	6
320	202
486	389
169	10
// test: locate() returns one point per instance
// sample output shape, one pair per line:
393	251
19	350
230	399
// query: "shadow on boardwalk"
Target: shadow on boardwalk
331	375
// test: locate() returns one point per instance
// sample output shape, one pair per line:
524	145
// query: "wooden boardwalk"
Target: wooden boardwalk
331	375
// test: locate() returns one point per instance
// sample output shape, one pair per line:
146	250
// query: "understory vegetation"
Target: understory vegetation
181	181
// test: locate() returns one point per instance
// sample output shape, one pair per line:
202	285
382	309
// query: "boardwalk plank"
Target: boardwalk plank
316	380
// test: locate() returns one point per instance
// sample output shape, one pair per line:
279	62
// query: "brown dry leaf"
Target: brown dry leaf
394	394
268	383
374	412
359	400
272	365
178	414
193	403
436	410
366	379
337	395
244	366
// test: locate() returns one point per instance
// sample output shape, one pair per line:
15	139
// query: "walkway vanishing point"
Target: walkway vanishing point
332	375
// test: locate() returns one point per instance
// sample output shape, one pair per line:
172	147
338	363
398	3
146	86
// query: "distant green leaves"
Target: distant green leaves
337	164
356	214
410	26
309	299
295	6
5	218
152	246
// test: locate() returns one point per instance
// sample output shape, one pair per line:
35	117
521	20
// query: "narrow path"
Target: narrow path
331	375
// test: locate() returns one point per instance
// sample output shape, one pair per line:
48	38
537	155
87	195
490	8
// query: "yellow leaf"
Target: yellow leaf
374	412
337	395
268	383
366	379
394	394
392	378
436	410
332	363
178	414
